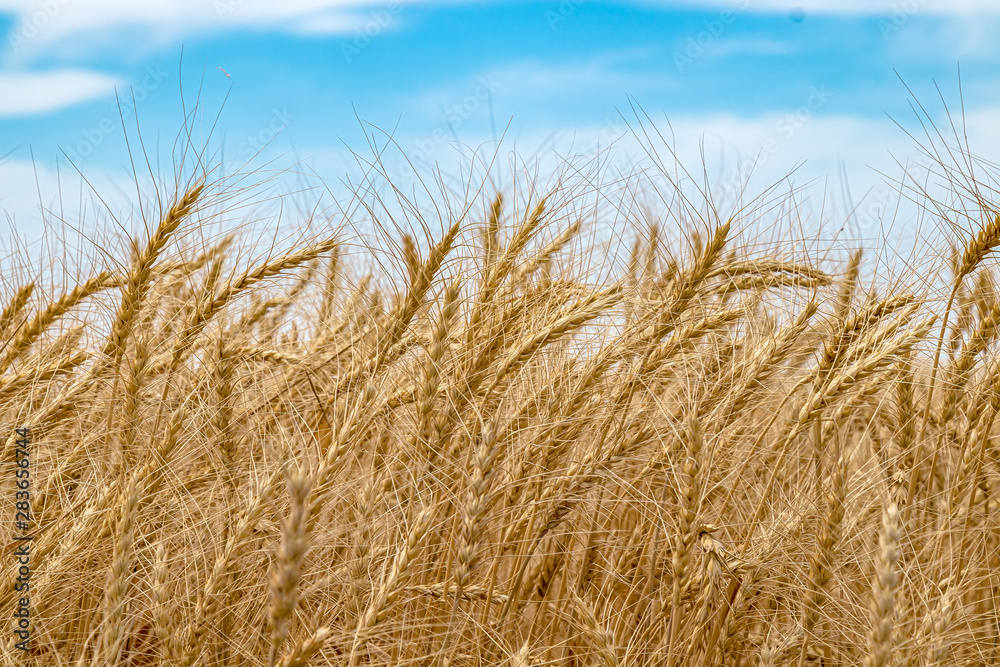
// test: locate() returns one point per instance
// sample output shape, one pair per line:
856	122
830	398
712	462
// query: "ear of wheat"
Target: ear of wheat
512	443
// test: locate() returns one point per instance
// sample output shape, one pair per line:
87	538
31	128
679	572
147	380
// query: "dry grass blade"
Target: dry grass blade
518	444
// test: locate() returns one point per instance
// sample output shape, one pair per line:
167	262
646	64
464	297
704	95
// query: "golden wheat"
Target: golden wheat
519	448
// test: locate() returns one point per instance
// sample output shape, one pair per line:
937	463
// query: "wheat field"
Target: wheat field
503	438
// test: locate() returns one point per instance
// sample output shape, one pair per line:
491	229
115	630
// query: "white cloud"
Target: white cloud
534	78
905	7
538	82
42	23
38	22
27	93
751	46
19	200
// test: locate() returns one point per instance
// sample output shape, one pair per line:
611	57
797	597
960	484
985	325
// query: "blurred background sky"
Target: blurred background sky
306	82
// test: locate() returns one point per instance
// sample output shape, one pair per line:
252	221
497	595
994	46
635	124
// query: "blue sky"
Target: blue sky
772	80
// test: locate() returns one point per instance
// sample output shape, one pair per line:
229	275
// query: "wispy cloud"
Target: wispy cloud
533	78
964	7
60	19
26	93
63	17
463	101
753	46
